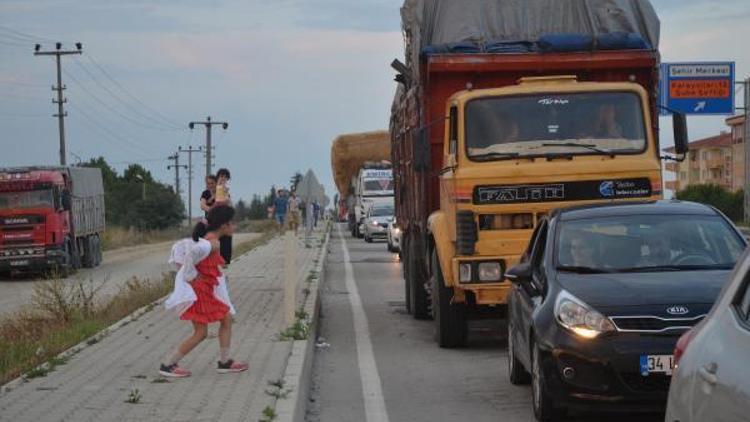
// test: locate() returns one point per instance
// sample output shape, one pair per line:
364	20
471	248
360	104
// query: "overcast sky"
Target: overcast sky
288	76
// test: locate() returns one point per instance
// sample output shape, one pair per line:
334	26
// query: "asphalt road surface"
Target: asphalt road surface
118	266
379	352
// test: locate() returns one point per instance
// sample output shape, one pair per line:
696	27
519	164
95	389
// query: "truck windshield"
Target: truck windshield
554	124
26	199
378	187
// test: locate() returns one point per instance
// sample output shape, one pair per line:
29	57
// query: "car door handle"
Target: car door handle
708	373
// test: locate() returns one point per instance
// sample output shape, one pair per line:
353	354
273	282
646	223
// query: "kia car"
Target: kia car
711	381
602	295
376	222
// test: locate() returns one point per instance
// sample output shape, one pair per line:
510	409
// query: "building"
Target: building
717	160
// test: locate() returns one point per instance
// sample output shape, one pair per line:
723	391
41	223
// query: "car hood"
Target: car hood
644	289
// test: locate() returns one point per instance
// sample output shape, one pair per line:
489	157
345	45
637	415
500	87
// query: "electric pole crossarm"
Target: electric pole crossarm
208	123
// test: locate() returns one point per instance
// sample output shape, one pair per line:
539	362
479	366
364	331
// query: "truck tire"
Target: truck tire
407	289
450	318
89	252
420	300
97	250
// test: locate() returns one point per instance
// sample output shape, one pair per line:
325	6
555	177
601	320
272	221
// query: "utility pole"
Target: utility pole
176	166
208	123
58	52
190	151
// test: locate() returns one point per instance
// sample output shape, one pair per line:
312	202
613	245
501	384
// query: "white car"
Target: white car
394	237
711	381
376	222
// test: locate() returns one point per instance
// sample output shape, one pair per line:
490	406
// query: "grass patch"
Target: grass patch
298	331
119	237
269	415
134	396
65	314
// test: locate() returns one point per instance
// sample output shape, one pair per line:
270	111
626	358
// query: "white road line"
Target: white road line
372	390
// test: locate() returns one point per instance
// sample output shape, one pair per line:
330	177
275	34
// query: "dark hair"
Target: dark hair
211	177
223	172
217	217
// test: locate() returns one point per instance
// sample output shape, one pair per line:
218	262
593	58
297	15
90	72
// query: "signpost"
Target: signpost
705	88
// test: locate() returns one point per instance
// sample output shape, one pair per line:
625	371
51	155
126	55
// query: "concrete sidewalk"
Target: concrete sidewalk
96	383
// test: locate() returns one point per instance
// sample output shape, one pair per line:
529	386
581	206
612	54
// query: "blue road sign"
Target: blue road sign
698	88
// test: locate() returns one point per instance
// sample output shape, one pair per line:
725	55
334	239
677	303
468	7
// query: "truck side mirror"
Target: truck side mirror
66	199
679	122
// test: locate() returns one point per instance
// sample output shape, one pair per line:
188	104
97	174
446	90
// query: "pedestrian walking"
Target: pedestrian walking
208	197
280	205
294	213
200	292
223	198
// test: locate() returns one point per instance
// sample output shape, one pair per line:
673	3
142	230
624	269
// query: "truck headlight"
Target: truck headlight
464	272
490	271
578	317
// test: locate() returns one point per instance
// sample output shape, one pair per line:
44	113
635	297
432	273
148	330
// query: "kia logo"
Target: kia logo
677	310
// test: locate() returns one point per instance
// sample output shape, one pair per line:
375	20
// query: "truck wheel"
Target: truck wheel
89	257
420	305
516	372
368	239
450	318
407	289
97	250
544	408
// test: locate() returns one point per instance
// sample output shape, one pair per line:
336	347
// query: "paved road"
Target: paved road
407	376
118	266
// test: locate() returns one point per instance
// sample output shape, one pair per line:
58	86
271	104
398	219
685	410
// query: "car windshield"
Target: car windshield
381	212
568	124
647	243
26	199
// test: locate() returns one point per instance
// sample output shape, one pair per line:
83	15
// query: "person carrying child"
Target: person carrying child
200	293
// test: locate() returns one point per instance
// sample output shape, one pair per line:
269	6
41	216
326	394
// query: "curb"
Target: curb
94	339
292	407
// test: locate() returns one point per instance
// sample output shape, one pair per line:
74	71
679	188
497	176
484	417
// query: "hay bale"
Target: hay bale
351	151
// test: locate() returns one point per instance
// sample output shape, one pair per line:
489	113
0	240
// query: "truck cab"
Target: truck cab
513	154
373	187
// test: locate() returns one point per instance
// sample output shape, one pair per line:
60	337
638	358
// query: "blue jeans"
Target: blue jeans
280	218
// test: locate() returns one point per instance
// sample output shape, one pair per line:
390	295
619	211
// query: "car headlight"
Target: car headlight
490	271
578	317
374	223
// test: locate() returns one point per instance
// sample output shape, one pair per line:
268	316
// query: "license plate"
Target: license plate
21	263
663	364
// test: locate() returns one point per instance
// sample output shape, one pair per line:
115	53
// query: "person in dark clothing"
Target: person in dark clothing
208	197
223	197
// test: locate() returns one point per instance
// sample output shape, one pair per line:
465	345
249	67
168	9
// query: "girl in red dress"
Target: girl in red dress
200	290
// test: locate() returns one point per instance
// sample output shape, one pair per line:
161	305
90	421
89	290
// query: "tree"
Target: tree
258	209
295	181
240	210
730	203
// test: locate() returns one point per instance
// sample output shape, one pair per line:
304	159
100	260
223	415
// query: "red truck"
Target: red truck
487	138
51	219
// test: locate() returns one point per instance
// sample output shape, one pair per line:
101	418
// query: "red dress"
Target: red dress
207	308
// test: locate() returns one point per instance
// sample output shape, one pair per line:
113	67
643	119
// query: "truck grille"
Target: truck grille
654	324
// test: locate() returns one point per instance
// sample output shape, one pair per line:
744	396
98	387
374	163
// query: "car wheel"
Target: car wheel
544	410
368	239
516	372
450	318
407	286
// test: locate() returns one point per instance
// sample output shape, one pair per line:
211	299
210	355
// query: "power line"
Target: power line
90	58
25	35
109	107
125	103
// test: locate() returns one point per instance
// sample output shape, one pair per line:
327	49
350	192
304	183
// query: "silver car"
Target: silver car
712	376
376	222
394	237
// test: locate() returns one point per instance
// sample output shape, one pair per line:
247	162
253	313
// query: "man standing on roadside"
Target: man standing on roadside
280	205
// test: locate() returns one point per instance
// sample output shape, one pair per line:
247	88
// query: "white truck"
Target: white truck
373	185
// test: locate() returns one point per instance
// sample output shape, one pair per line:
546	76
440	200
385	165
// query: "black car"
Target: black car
602	294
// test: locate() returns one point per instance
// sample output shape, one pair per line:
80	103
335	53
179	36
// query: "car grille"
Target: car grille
653	324
650	383
383	224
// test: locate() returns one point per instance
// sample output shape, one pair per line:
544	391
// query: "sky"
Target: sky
288	76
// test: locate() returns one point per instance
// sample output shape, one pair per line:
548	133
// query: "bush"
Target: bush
730	203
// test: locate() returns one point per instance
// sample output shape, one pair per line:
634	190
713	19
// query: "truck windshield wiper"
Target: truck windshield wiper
582	270
575	144
657	268
494	155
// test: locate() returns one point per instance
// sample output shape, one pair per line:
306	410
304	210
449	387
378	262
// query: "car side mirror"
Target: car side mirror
679	123
520	273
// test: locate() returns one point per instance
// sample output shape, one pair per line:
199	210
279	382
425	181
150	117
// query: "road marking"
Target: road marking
372	390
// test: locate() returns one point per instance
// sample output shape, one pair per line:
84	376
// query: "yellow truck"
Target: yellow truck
484	144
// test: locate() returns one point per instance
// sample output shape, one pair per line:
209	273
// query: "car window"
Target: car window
643	242
527	253
744	305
